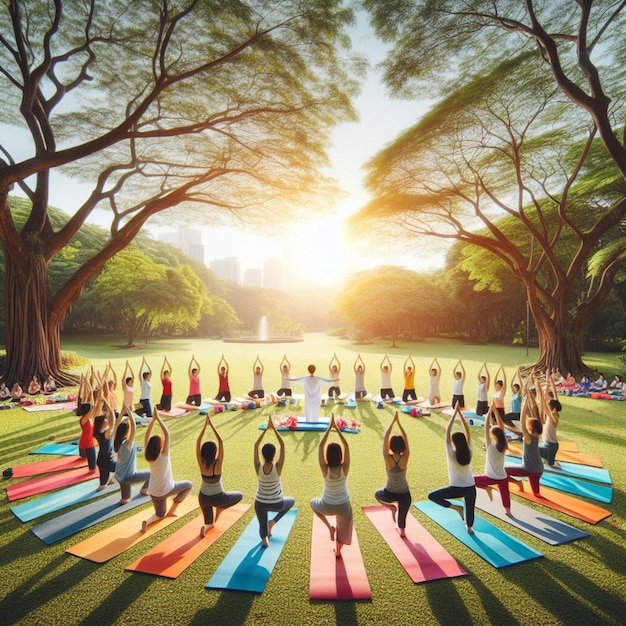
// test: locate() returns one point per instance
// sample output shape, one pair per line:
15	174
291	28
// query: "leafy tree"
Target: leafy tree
388	300
146	296
505	163
223	108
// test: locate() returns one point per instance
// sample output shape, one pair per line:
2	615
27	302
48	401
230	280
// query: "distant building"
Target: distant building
252	277
273	277
189	240
227	268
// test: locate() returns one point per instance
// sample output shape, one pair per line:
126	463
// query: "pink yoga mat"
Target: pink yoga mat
419	553
336	578
48	483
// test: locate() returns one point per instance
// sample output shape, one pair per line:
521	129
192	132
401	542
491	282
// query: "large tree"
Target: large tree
505	161
222	107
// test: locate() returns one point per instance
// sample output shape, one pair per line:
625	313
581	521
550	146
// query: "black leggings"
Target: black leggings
441	496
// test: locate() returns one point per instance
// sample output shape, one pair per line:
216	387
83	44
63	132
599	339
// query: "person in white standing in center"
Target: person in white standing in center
312	393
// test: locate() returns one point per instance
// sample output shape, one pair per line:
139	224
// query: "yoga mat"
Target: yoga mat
568	457
531	521
553	499
488	541
171	557
64	449
420	554
574	470
42	484
51	406
309	427
248	566
46	467
191	407
175	411
116	539
428	405
60	499
83	517
336	578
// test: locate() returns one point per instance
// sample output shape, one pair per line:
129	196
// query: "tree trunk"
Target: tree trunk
560	341
33	338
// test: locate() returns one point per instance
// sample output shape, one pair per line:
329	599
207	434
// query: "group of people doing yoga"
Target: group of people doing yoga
113	434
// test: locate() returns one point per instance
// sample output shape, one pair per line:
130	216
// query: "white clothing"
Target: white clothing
161	479
433	388
335	488
494	463
458	475
481	392
457	387
269	488
312	395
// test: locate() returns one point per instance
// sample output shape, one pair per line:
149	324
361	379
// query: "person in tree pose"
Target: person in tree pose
550	413
396	456
104	426
496	446
269	495
460	478
210	456
334	462
162	485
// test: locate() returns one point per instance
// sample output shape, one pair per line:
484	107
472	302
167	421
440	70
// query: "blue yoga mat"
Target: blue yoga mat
83	517
600	493
61	499
573	470
248	566
535	523
488	541
64	449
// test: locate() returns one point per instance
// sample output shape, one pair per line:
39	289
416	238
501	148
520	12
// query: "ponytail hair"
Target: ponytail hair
461	449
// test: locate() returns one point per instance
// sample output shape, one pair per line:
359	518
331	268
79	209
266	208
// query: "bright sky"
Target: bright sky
318	251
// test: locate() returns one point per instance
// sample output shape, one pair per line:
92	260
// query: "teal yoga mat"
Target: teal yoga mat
529	520
248	566
488	541
600	493
86	516
573	470
311	427
64	449
61	499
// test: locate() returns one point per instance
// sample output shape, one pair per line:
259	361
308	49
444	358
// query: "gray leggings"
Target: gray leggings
262	509
137	477
222	500
181	489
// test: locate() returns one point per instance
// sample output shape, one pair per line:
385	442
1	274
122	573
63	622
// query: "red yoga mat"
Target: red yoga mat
46	467
48	483
171	557
419	553
559	501
336	578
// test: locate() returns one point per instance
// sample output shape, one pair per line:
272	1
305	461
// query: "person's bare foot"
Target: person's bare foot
470	530
459	509
508	513
265	542
204	529
124	500
270	527
100	487
489	491
332	533
144	492
402	533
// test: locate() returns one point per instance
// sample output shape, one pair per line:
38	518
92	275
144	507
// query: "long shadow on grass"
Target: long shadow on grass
611	553
446	603
593	432
372	419
568	594
345	613
231	608
31	594
116	603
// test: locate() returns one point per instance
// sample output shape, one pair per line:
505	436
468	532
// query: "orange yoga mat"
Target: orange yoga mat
118	538
559	501
565	456
41	484
336	578
171	557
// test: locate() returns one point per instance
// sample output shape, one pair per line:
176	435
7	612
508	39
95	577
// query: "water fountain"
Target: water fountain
263	336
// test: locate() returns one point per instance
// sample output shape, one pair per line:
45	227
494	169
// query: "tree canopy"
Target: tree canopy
506	161
224	108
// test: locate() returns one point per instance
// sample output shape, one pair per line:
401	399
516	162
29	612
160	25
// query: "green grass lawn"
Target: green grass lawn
578	583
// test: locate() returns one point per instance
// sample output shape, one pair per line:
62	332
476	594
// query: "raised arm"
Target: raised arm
407	449
166	433
257	444
346	448
281	451
321	457
199	442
